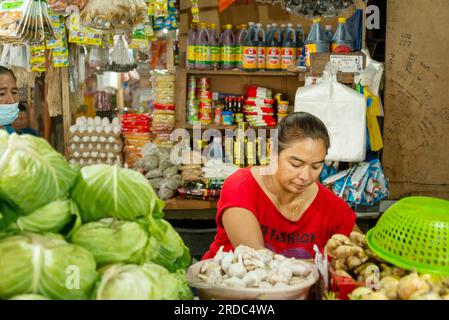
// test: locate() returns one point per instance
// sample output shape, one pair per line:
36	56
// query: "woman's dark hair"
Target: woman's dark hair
301	125
4	70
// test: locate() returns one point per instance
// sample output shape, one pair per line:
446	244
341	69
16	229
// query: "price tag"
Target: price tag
348	63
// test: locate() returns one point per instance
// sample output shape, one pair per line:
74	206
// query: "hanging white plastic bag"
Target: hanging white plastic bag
343	111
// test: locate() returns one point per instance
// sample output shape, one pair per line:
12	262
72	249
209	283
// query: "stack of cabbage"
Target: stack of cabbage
95	233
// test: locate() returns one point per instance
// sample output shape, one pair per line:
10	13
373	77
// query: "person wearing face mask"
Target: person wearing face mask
9	99
283	207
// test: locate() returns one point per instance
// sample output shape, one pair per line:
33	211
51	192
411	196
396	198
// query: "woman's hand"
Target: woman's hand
242	228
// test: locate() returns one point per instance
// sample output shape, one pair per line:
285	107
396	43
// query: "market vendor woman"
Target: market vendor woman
286	210
9	99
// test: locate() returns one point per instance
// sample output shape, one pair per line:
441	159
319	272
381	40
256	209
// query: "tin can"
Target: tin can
217	116
227	118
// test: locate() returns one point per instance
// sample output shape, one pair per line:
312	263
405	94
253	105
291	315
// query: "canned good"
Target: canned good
227	118
283	106
217	116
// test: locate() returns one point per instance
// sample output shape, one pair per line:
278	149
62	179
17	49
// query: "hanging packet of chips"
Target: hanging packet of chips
37	58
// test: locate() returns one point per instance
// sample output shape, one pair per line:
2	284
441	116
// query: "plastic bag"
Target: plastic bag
171	171
155	173
343	111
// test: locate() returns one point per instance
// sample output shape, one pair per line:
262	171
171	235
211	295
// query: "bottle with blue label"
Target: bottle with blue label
317	41
342	42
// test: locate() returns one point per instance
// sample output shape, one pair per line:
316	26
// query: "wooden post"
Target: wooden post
47	119
170	53
66	112
120	95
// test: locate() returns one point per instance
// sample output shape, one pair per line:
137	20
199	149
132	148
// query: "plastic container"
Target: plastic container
203	61
227	49
214	47
317	41
191	47
209	292
261	47
300	41
289	47
250	50
414	234
342	41
240	40
274	47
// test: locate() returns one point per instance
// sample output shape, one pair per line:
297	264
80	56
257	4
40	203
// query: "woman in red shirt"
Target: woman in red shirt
283	207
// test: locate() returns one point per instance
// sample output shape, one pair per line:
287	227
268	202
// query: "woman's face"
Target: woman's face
300	164
9	93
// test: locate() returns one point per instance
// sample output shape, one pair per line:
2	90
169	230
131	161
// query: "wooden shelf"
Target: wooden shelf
243	73
182	204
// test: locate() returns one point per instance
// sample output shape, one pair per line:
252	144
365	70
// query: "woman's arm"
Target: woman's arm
242	228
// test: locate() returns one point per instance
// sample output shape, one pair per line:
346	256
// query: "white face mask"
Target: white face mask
8	113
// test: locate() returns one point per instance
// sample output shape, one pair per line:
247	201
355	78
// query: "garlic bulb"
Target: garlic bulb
94	139
97	121
234	283
252	279
237	269
102	139
226	261
111	139
90	130
219	255
76	139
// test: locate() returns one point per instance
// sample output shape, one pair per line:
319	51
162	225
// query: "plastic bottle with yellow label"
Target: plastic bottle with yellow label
228	49
202	49
215	54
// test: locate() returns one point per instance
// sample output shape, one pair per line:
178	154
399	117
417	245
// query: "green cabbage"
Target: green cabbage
113	241
110	191
29	297
58	216
32	173
45	265
147	282
166	246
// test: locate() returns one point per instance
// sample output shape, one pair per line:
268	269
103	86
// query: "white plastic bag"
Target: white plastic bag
343	111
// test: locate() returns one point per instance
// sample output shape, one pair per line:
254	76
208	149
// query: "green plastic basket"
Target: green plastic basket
414	234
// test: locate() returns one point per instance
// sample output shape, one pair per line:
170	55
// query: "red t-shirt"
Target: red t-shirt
326	216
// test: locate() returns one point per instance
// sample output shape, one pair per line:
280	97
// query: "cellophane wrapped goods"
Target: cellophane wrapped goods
259	107
25	21
136	134
164	109
61	6
160	171
114	15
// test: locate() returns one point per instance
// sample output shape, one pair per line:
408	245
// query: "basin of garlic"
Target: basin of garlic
249	268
